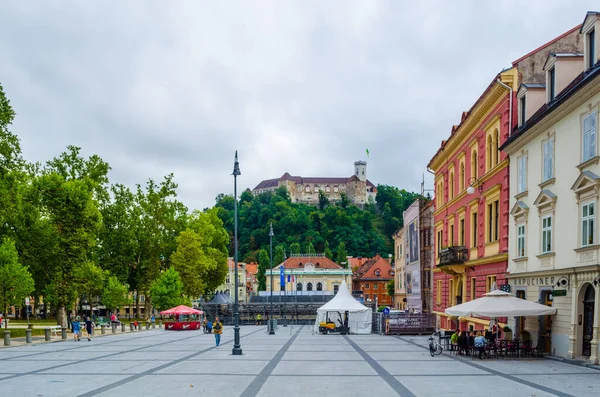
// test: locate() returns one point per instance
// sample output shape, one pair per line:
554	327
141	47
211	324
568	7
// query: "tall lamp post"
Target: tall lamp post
271	328
237	348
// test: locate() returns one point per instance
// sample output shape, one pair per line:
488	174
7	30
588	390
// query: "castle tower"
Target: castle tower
360	170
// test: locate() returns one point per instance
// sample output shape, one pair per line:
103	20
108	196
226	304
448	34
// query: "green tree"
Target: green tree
279	255
390	288
15	281
344	201
115	293
295	248
310	248
328	252
342	255
264	263
167	290
90	281
323	200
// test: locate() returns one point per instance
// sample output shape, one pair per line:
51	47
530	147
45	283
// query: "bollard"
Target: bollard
159	323
147	325
48	334
63	333
103	329
114	328
131	327
122	327
153	325
6	338
28	335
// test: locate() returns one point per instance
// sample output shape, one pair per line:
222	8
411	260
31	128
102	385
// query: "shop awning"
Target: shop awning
500	304
182	309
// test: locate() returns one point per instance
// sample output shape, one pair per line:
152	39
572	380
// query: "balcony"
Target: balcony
454	255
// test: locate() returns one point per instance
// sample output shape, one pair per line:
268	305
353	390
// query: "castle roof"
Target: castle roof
273	183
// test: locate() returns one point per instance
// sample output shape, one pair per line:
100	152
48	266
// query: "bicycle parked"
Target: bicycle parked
434	347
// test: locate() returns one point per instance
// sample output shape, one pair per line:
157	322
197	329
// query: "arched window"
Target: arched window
327	189
474	164
461	176
335	189
319	287
451	186
336	288
299	287
489	152
496	146
307	189
309	287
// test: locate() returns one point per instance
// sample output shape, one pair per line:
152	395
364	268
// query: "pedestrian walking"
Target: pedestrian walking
258	319
218	329
89	326
153	320
76	327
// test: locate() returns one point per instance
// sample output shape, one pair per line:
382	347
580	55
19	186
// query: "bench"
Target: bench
55	329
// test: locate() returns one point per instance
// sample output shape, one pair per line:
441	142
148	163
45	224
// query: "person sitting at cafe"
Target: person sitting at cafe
463	342
479	343
454	339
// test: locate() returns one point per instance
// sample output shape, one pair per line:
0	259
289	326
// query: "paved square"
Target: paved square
294	362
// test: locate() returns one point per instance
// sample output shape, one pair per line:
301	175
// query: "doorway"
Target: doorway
588	320
545	323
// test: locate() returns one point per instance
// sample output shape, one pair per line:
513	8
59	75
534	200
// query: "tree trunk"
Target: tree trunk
61	318
137	304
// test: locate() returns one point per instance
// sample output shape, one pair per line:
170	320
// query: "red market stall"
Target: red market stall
183	318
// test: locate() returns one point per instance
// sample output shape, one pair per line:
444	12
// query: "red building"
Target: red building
371	278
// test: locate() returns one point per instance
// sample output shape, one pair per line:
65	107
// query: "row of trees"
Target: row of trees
72	235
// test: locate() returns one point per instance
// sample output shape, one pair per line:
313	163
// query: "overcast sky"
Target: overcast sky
155	87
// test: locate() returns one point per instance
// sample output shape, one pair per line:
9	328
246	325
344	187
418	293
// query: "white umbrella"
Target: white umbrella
500	304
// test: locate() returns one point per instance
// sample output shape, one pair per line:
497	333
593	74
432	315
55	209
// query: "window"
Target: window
377	273
438	292
496	147
474	164
227	280
522	111
309	287
375	285
474	227
335	189
451	236
367	286
548	148
319	286
489	150
440	236
450	293
462	232
589	137
328	189
493	221
587	224
591	48
307	189
299	287
489	282
520	241
521	173
461	176
336	288
547	234
473	287
552	83
451	186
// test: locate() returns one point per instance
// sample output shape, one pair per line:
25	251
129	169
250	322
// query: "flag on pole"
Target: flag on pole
367	150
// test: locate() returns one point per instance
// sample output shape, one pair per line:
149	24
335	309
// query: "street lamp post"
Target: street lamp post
271	329
237	348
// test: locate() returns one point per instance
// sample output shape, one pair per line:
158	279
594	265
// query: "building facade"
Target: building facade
358	189
418	256
472	189
372	278
313	274
400	269
554	249
229	286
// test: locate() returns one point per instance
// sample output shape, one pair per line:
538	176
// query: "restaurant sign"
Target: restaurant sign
549	281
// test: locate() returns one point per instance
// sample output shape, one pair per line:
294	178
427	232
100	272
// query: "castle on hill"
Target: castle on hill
357	187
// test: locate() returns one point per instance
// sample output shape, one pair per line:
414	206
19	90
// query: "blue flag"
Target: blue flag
282	276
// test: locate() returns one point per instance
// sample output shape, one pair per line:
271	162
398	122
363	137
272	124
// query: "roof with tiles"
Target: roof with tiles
319	262
273	183
376	268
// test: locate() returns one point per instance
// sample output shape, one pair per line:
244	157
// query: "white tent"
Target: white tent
359	319
500	304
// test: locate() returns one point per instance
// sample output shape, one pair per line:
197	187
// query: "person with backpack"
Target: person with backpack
218	330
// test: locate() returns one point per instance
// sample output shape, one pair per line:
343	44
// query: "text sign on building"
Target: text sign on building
546	281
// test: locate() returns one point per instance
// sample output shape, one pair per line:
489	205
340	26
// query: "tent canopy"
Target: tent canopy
500	304
360	316
182	309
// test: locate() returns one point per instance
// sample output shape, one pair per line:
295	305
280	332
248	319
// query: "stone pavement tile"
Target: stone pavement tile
81	347
17	367
223	367
263	347
147	355
296	368
310	386
182	385
318	355
539	366
429	368
106	367
63	355
15	353
321	348
225	352
400	355
55	385
389	348
468	385
574	384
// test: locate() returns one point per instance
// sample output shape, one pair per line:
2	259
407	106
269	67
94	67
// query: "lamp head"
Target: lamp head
470	190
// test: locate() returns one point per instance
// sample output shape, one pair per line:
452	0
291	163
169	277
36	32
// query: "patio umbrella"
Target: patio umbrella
500	304
182	309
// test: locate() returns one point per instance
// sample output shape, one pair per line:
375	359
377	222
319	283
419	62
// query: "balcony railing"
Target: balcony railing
453	255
